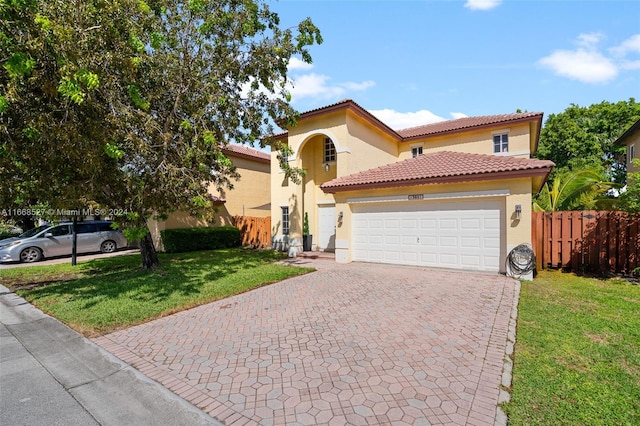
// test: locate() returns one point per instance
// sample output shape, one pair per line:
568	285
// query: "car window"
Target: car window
34	231
86	228
105	227
57	231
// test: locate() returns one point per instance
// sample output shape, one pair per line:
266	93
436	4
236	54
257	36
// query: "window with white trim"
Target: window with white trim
329	150
501	143
632	153
285	220
415	151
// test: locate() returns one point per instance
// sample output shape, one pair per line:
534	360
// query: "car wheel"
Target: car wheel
108	246
30	255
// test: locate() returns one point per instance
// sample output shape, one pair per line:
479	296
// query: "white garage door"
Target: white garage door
447	234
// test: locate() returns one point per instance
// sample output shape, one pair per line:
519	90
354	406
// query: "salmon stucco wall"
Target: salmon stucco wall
250	196
358	147
633	141
474	142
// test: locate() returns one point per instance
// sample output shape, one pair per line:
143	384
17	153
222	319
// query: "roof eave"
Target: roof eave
627	134
536	117
233	153
349	104
475	177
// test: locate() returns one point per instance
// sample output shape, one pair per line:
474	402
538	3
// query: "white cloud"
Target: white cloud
296	64
582	65
457	115
403	120
587	63
482	4
358	87
313	85
630	45
318	86
630	65
589	40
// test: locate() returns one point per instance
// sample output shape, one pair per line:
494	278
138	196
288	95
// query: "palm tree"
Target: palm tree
575	190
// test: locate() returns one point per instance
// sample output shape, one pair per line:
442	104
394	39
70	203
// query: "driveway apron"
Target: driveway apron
348	344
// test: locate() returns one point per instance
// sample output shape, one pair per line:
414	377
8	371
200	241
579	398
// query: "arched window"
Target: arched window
329	150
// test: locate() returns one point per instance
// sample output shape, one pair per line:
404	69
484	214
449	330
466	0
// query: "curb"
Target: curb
507	371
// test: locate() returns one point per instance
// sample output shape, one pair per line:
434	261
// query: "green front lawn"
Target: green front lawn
103	295
577	355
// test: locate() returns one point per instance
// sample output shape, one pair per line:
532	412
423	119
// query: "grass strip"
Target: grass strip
102	295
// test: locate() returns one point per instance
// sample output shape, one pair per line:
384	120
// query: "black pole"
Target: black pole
74	243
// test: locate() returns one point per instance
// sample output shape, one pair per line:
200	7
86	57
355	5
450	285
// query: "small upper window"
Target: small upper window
501	143
329	150
285	220
415	151
632	153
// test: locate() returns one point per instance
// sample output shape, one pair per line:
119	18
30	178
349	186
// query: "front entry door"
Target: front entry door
327	228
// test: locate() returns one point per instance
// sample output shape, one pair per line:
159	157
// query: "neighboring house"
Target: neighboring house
631	139
250	196
454	194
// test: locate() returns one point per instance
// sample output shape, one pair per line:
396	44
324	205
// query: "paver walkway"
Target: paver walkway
348	344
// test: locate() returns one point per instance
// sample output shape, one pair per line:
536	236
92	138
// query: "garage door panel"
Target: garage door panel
410	258
391	255
428	224
449	260
449	242
392	240
470	261
492	243
375	224
460	234
409	241
411	224
470	223
429	242
491	223
470	242
448	224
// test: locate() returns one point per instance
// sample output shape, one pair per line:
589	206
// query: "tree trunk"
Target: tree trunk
149	254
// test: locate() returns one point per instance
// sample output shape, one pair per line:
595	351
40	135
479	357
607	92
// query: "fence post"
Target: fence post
537	238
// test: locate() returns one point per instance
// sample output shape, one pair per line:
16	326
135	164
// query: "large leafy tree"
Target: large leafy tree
126	104
583	138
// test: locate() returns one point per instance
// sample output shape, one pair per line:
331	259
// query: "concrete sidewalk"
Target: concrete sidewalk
51	375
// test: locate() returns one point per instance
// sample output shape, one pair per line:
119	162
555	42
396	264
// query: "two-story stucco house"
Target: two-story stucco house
250	196
455	194
631	140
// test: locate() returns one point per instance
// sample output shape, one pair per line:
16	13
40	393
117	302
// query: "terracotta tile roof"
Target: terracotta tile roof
247	152
440	167
344	105
461	124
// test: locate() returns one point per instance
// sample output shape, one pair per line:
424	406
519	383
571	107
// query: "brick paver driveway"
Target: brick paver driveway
348	344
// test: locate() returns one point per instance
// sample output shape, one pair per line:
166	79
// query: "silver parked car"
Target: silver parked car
56	240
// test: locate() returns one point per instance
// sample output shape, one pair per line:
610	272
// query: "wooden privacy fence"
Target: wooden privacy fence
255	231
586	241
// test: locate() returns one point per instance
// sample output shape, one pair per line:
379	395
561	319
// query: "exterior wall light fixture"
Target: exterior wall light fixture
518	211
326	167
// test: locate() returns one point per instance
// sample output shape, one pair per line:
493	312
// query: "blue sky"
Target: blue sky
417	62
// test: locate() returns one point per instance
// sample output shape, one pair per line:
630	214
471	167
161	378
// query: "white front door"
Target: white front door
327	228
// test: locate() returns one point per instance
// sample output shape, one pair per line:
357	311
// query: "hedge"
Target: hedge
193	239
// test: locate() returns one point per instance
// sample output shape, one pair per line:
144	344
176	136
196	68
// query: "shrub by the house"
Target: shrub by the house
193	239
